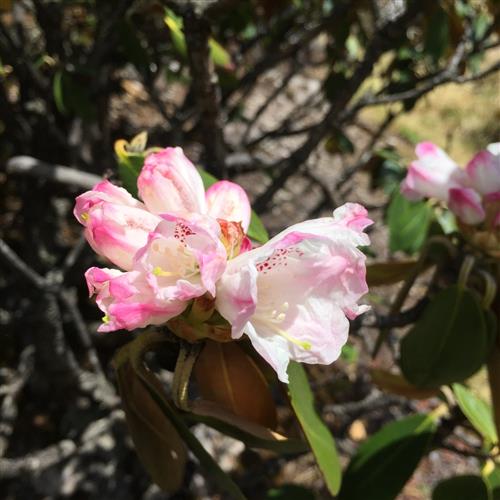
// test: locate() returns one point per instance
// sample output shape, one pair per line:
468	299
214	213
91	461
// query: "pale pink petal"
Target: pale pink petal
103	191
169	182
227	200
127	300
118	231
307	286
433	174
98	278
183	258
352	215
466	204
484	172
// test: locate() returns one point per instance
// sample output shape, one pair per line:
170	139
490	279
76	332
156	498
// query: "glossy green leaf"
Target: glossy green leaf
256	230
461	488
252	435
477	411
449	343
384	463
316	432
408	224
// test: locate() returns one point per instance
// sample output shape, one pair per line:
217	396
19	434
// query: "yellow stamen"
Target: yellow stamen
85	216
105	319
158	271
301	343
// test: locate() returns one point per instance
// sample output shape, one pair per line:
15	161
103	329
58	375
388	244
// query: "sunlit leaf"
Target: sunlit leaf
408	224
316	432
477	411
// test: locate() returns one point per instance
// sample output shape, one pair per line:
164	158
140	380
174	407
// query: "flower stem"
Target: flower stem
182	374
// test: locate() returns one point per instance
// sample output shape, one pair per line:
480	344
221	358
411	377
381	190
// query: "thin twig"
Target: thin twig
27	165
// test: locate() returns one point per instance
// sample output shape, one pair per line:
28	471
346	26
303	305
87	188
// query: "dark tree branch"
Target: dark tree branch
206	89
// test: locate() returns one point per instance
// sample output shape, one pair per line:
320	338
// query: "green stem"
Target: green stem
188	354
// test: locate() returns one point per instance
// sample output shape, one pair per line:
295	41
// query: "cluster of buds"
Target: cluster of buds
471	193
185	259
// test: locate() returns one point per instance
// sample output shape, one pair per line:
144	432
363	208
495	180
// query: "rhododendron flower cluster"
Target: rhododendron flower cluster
472	193
183	251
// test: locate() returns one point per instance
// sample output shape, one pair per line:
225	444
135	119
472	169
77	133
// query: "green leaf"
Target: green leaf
138	348
219	55
174	24
450	341
461	488
316	432
408	224
256	229
130	161
208	179
290	492
384	463
252	435
477	411
159	446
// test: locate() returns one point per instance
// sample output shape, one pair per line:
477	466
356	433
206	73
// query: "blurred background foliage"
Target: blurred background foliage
306	103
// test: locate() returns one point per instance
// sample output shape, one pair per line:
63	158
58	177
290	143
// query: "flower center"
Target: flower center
273	317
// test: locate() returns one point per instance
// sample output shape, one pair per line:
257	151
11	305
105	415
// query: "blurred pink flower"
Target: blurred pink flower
432	175
468	191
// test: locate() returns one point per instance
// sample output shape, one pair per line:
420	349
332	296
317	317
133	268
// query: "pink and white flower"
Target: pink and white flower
432	175
294	295
483	172
228	201
117	232
128	301
183	258
468	191
466	204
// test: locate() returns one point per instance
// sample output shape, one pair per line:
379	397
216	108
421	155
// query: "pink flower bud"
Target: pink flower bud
117	232
169	182
227	200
